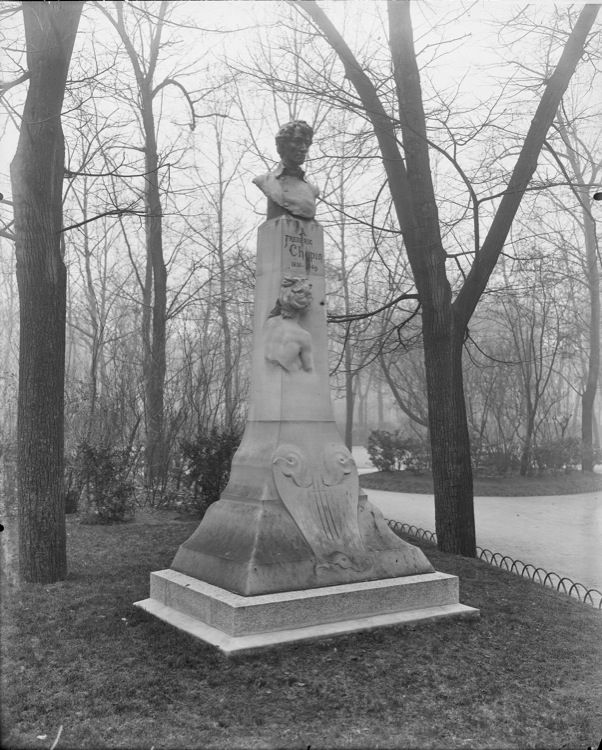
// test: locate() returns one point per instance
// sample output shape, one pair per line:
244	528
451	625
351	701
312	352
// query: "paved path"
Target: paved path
561	533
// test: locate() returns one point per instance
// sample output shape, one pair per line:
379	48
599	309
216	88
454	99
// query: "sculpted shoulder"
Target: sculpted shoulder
261	180
285	186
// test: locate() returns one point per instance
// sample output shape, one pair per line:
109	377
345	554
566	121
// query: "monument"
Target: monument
293	549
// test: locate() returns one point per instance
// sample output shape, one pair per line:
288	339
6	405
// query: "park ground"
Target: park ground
78	655
573	483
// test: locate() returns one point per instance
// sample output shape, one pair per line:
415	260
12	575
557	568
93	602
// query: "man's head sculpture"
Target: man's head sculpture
293	141
285	186
295	296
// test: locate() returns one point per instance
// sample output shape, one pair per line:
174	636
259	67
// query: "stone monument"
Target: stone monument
293	549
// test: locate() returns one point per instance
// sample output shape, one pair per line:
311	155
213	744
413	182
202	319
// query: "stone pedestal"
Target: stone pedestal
293	517
238	624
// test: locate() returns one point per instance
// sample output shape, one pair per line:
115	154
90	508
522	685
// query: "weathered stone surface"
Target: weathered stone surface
293	549
292	516
238	624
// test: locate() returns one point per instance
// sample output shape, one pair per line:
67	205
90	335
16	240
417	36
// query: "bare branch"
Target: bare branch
6	85
114	212
363	316
173	82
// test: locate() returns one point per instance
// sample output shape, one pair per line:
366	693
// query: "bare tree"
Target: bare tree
586	171
143	54
409	176
571	147
37	182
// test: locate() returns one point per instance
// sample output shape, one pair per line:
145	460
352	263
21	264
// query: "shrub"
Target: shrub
562	454
207	462
383	450
418	458
494	459
391	451
101	479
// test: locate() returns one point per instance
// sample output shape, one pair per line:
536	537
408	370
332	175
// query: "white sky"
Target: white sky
470	57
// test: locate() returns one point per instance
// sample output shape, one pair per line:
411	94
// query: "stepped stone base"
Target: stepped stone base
238	624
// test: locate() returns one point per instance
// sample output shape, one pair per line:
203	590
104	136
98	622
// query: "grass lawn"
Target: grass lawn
511	486
77	654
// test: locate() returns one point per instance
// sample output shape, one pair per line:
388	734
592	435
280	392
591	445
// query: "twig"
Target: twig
58	737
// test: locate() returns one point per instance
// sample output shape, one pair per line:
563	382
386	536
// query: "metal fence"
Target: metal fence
550	580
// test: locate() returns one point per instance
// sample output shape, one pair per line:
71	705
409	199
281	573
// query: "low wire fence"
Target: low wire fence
550	580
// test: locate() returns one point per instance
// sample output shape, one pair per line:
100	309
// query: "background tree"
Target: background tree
37	183
444	319
142	37
586	170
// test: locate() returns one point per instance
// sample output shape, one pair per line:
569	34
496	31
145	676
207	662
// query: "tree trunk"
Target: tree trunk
37	181
443	333
155	288
412	194
229	402
593	370
450	444
349	398
156	453
525	459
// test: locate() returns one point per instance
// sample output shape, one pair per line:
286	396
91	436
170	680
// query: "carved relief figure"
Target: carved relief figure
286	188
286	343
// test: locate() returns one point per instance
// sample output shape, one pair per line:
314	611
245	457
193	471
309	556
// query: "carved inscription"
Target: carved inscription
300	252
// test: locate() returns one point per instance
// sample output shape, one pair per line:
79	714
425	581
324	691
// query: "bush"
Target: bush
494	460
207	461
391	451
383	449
562	454
100	477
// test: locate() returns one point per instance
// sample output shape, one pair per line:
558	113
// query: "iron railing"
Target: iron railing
550	580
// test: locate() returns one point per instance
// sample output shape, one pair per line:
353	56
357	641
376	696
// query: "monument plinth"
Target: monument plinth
293	544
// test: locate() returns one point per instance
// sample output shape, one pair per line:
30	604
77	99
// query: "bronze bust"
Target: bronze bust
287	190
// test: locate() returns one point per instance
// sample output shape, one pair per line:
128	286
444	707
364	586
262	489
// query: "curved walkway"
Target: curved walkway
561	533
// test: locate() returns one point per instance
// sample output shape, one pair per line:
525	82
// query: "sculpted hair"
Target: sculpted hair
281	307
287	131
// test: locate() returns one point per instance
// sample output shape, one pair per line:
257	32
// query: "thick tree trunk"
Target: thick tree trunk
443	334
37	181
450	444
412	194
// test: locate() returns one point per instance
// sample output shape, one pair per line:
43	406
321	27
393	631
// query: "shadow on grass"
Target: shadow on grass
78	654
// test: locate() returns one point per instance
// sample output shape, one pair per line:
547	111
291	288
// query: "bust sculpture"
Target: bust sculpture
287	190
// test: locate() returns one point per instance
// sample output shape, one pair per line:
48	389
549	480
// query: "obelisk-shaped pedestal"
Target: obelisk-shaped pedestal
292	532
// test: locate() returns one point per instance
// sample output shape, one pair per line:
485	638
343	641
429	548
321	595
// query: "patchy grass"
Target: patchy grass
513	486
78	654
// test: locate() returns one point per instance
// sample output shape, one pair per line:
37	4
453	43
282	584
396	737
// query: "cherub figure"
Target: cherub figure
286	343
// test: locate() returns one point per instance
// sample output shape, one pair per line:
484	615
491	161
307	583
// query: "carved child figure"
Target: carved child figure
286	343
